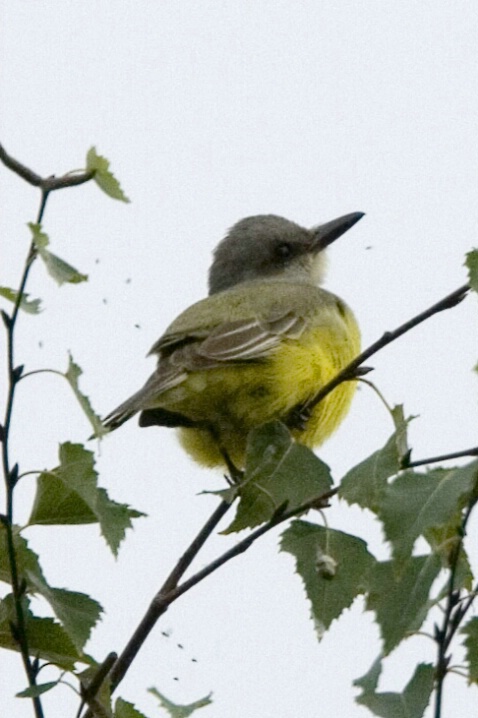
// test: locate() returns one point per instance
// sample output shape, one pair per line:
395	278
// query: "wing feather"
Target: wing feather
231	342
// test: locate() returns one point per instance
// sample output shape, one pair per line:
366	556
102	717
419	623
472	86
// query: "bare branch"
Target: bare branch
351	372
169	593
406	464
47	184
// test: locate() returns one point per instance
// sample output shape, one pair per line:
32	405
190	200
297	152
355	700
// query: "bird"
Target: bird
257	349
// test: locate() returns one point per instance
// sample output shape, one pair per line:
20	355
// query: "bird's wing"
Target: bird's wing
230	342
233	342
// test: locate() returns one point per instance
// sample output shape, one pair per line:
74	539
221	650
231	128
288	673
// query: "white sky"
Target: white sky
211	111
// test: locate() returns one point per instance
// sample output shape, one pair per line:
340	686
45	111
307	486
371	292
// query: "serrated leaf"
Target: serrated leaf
46	638
37	690
31	306
180	711
369	681
60	270
470	630
103	177
443	541
72	375
329	592
364	483
415	503
123	709
400	602
69	495
278	472
77	612
412	703
472	263
55	503
27	561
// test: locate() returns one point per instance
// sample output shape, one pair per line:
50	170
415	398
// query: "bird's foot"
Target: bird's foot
298	417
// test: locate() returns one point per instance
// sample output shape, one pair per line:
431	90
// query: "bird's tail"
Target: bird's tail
124	411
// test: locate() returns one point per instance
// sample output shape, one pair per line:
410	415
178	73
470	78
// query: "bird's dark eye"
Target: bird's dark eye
284	250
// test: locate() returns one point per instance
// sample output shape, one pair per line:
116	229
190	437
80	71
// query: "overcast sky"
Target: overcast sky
209	112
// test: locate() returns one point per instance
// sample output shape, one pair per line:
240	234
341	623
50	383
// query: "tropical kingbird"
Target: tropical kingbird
261	345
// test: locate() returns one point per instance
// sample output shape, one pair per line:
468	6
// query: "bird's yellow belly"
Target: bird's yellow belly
237	398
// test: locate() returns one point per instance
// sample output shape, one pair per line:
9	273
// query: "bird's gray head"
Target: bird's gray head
271	247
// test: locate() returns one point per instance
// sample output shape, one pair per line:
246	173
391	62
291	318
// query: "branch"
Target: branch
156	608
453	615
350	371
170	591
14	373
406	464
46	184
19	630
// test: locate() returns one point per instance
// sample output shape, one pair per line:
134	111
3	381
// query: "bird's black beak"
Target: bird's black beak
327	233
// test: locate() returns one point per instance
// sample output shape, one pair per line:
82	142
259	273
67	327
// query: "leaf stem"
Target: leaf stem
42	371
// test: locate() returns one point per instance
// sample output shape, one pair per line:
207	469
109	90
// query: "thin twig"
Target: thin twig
453	615
19	169
89	691
350	371
47	184
436	459
152	615
11	475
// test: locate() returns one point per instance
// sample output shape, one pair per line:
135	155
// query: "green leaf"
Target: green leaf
37	690
180	711
443	541
46	638
400	602
333	565
31	306
55	503
103	177
26	560
470	630
123	709
40	239
415	503
60	270
77	612
365	483
72	375
278	473
69	495
369	681
412	703
472	263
